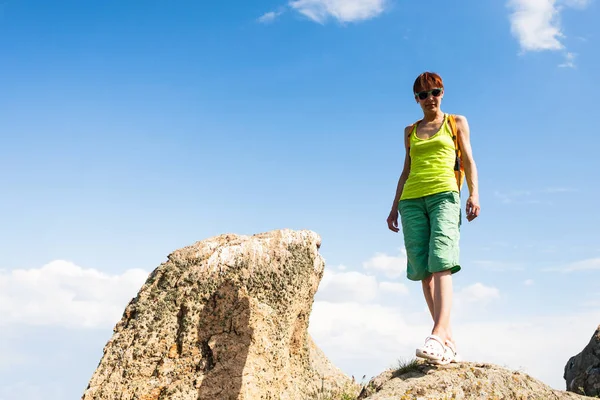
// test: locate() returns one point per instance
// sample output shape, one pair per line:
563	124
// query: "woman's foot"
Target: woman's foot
433	349
437	352
450	355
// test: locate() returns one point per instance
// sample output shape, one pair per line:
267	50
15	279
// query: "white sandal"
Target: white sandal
450	355
433	349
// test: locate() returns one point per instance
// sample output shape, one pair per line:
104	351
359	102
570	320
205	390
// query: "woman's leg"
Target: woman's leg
416	232
437	289
441	320
428	291
442	304
444	212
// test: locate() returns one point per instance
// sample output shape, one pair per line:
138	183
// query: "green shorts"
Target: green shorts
431	228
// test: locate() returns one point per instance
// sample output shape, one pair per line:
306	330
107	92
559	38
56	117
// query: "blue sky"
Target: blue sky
133	128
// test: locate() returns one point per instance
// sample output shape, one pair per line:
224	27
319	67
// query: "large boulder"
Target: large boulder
421	381
225	318
582	372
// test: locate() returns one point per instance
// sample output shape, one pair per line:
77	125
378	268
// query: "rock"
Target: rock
225	318
421	381
582	372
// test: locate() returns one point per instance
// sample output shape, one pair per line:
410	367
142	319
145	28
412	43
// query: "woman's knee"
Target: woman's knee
441	273
428	281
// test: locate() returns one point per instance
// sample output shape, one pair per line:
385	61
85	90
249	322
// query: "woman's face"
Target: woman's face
430	99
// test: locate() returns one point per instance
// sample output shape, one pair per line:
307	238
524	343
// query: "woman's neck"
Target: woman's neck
433	116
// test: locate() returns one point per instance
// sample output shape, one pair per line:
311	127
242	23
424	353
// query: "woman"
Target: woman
428	200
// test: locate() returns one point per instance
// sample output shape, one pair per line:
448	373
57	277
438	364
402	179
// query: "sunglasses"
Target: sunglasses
424	95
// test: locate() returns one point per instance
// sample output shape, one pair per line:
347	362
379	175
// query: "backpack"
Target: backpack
459	169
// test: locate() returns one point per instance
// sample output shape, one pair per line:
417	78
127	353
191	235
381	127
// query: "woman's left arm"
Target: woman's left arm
464	141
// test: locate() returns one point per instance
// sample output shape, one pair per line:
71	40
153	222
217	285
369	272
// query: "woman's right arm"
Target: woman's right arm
393	217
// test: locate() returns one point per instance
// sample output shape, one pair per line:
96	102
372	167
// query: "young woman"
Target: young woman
428	200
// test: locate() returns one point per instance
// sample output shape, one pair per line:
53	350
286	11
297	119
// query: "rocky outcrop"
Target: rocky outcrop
225	318
582	372
420	381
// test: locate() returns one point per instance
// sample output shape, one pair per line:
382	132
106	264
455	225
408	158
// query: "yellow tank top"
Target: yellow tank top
431	164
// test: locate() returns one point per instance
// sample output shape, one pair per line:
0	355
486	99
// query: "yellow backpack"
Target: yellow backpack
459	169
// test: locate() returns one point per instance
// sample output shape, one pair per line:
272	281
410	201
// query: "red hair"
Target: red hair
427	80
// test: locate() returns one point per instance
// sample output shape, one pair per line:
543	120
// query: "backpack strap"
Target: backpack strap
412	129
459	170
413	126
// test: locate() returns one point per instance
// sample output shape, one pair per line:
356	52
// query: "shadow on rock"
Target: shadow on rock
224	337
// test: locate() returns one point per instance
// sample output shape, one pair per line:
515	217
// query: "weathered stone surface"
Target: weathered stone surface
582	372
225	318
459	381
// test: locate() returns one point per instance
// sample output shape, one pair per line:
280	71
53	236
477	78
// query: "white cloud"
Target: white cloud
591	304
581	4
369	332
11	357
516	196
591	300
367	338
478	293
393	287
342	10
559	189
569	61
269	17
64	294
26	390
351	286
535	23
519	342
529	282
583	265
390	266
499	266
360	335
532	196
347	286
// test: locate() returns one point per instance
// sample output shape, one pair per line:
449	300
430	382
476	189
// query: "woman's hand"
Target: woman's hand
392	220
473	207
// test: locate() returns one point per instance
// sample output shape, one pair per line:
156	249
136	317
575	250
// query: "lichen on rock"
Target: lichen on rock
225	318
459	381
